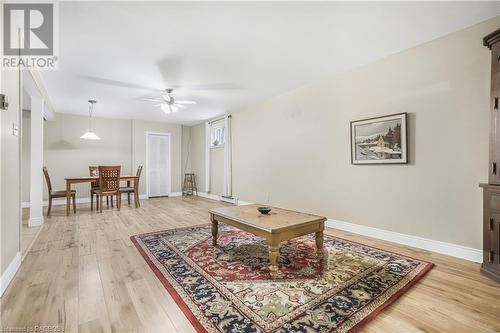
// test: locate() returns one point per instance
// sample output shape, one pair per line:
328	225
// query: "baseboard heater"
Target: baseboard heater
229	199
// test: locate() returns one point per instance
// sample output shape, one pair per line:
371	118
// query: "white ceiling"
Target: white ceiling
228	55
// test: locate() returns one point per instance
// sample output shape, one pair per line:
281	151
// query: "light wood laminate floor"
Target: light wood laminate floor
83	274
28	234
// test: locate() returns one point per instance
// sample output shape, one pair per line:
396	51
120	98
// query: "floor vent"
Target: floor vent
229	199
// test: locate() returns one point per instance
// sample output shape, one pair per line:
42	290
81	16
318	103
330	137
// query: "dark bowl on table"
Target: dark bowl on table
264	210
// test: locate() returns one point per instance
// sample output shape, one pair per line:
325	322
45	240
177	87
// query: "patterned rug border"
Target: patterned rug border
199	327
177	298
359	326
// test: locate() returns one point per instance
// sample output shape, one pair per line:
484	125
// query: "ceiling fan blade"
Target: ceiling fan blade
117	83
185	102
151	100
213	86
179	105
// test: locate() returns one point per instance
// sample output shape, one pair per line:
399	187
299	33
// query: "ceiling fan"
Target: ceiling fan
168	103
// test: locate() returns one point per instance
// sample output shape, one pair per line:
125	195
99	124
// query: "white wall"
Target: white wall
198	154
10	217
1	183
295	148
10	171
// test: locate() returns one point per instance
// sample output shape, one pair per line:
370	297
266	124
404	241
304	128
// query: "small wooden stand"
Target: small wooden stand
189	186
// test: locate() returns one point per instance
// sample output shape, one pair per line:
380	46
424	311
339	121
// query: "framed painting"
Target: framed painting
380	140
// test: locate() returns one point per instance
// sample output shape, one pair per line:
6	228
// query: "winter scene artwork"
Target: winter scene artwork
380	140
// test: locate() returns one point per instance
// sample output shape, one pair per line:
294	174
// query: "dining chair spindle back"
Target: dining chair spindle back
109	184
94	186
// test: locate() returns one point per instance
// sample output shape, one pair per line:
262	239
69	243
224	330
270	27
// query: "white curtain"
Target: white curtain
208	128
228	192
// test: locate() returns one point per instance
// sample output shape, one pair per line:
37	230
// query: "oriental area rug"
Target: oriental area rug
228	288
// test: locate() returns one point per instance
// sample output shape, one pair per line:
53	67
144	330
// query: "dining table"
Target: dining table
90	179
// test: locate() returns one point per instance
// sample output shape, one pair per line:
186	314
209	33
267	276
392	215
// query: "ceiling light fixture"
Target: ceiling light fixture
168	103
90	135
166	97
165	108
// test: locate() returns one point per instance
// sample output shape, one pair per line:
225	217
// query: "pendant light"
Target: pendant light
90	135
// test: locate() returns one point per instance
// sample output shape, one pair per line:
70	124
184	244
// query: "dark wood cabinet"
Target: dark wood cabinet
491	191
491	231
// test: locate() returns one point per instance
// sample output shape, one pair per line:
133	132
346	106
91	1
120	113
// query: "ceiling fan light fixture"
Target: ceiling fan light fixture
168	103
165	108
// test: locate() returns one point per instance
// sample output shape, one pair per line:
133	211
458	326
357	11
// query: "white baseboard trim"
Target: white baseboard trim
35	221
9	273
243	203
175	194
231	200
217	197
449	249
209	196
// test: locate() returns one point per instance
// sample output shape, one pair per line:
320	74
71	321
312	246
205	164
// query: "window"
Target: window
217	136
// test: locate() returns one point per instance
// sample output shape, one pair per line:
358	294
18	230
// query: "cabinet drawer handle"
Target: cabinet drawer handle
490	256
492	222
496	103
494	168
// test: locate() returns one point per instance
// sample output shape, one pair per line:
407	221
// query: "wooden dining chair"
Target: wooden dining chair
57	194
109	184
135	189
94	189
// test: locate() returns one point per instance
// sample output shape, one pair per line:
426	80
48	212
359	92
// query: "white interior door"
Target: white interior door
158	164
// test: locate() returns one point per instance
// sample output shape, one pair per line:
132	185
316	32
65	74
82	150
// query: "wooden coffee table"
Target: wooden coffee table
279	225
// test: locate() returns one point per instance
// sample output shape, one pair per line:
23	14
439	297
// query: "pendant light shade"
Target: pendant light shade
90	135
